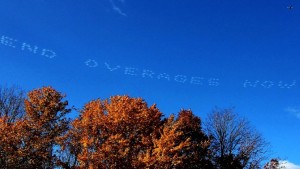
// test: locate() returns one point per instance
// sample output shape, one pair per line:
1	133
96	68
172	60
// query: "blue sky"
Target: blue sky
178	54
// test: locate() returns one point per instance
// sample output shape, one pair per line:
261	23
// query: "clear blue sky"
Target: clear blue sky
179	54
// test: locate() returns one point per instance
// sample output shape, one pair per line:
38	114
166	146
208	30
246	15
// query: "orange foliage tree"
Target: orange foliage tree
112	134
179	144
11	112
124	132
10	142
29	142
43	126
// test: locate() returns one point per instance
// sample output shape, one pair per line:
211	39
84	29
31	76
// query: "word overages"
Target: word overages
194	80
146	73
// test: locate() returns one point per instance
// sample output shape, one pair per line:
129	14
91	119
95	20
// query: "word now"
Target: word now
14	43
146	73
268	84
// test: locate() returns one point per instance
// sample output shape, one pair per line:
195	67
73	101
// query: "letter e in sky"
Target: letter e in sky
7	41
130	71
197	80
213	82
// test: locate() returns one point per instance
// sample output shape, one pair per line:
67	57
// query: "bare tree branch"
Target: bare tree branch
12	102
234	143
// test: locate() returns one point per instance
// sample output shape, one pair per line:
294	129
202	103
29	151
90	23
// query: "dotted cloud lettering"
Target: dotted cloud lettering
146	73
23	46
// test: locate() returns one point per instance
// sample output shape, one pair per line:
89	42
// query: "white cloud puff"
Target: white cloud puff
289	165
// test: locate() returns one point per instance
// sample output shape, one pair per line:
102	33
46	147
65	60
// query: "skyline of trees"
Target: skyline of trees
120	132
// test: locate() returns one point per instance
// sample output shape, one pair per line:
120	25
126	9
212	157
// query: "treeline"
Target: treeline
120	132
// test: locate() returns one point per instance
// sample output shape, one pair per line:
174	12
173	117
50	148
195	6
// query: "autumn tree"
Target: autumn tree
10	143
11	112
234	143
111	133
179	144
42	128
124	132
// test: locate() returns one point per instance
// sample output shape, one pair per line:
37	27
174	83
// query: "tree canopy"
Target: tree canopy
122	132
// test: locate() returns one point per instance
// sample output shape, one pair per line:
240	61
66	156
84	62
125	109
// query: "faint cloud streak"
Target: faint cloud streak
294	111
116	8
